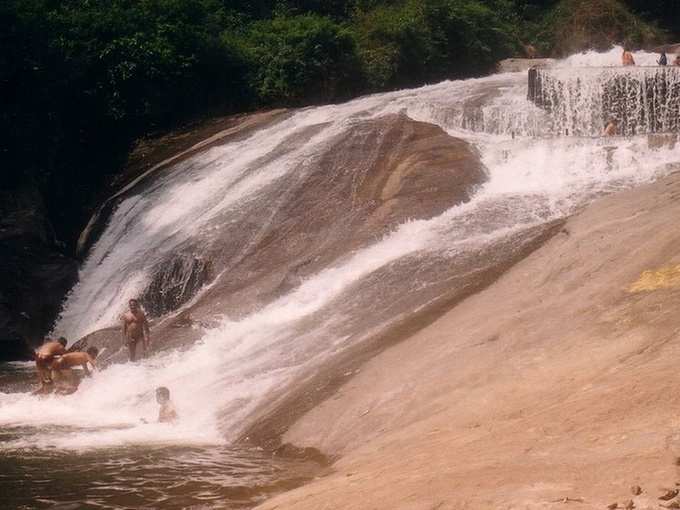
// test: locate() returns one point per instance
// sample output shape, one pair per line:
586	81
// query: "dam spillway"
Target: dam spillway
580	101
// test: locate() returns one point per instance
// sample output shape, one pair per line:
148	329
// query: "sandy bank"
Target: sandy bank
555	384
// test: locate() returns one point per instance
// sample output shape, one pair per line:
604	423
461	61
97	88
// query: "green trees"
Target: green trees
301	59
80	79
410	42
573	25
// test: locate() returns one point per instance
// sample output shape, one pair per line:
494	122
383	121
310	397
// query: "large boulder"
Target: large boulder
369	179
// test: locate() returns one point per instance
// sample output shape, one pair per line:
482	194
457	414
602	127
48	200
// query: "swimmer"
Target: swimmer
166	413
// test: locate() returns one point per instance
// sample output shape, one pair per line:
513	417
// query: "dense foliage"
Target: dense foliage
573	25
81	79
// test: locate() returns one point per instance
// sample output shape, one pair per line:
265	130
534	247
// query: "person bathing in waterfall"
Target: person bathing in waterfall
612	128
44	356
627	58
65	379
166	413
135	329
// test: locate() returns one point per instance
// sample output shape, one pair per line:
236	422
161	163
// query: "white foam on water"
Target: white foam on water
584	92
240	364
611	58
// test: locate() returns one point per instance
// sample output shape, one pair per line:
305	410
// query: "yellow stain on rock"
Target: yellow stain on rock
664	278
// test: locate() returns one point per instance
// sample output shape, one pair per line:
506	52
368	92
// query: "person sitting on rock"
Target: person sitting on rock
62	369
611	129
44	356
627	58
166	413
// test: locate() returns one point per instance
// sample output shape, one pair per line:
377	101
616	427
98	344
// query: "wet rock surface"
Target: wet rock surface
515	65
571	400
174	283
35	274
368	181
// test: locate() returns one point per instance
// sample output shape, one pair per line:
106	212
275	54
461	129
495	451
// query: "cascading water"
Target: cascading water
241	362
582	100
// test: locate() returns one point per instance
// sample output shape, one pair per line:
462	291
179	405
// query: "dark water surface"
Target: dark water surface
145	477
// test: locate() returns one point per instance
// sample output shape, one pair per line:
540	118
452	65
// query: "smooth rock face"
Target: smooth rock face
35	275
175	283
368	181
515	65
553	385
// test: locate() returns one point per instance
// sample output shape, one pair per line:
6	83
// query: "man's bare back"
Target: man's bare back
135	328
44	355
66	380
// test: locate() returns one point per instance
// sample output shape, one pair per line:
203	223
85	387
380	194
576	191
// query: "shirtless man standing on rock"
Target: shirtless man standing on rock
135	328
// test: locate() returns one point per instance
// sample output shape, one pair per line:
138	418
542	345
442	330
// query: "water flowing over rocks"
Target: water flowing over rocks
369	179
554	385
582	101
151	156
401	280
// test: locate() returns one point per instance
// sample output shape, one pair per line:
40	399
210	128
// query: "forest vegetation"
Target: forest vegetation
82	79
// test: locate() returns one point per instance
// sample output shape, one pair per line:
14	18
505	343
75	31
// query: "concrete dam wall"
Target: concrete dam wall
580	101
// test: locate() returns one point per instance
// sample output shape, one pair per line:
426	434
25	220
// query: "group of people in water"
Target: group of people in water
55	364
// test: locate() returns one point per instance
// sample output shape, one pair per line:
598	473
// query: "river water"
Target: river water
150	475
90	449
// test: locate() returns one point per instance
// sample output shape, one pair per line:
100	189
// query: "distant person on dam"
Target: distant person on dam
663	60
65	379
135	329
627	58
676	62
44	356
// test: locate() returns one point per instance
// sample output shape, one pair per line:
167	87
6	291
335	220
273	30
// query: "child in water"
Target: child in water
167	413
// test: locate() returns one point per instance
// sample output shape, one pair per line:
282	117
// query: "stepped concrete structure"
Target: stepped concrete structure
581	101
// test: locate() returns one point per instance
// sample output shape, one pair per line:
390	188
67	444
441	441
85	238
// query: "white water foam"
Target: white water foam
241	363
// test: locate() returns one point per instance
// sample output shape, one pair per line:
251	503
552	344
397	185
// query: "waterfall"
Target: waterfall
581	100
226	200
